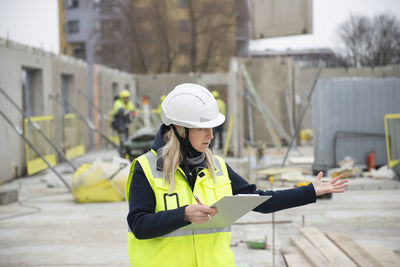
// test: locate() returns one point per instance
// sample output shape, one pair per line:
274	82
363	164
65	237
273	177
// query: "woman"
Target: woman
162	184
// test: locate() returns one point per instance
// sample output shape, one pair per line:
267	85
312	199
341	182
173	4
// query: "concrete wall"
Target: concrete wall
154	86
77	70
13	59
48	70
277	18
271	77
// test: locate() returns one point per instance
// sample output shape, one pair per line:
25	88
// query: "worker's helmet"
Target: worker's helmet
162	98
191	106
215	93
124	93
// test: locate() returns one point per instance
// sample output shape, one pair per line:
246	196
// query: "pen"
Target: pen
199	202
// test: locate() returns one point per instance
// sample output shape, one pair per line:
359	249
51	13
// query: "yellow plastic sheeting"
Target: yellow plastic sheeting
92	183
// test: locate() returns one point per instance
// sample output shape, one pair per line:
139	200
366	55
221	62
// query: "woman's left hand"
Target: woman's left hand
335	185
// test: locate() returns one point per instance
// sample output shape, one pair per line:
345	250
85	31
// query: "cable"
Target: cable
35	208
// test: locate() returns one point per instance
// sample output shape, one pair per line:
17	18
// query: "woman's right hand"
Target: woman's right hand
199	213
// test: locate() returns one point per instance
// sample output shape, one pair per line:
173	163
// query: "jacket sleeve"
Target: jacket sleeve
281	199
142	219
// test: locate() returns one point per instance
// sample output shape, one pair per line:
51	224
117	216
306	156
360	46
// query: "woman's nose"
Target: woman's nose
210	133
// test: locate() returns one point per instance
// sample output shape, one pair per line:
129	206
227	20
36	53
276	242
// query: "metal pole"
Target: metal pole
267	122
88	122
36	127
20	133
301	117
273	239
289	114
250	116
252	89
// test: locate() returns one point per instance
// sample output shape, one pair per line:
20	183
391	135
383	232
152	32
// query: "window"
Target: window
183	25
79	50
32	85
114	90
72	4
106	5
73	26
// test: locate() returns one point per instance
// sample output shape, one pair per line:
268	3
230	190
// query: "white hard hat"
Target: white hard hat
191	106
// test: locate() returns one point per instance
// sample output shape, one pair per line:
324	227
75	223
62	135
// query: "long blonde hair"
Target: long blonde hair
172	157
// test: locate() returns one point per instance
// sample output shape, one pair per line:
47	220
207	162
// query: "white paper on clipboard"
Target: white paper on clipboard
230	208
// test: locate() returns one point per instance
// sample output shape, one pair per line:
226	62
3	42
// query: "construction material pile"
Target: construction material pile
101	181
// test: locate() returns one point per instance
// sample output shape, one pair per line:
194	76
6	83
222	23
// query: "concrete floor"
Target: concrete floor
47	228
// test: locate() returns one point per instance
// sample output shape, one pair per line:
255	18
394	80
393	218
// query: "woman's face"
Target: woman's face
200	138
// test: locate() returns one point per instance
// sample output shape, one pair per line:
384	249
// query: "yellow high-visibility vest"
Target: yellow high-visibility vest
183	247
221	106
119	103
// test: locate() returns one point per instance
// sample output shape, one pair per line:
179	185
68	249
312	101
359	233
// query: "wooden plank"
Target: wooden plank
294	258
328	249
309	251
385	256
358	254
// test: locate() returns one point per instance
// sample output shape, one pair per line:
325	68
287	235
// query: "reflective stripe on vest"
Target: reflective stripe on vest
194	232
206	247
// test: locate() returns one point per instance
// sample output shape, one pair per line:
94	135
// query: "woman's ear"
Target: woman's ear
181	131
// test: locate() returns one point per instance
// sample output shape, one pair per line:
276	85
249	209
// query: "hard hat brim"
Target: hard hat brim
207	124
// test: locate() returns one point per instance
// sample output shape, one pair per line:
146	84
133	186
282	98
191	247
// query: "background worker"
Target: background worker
123	110
159	106
219	130
162	183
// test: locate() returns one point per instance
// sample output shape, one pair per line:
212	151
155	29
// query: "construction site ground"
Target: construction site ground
47	228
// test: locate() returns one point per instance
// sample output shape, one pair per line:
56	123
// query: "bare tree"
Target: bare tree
170	36
369	42
211	33
386	40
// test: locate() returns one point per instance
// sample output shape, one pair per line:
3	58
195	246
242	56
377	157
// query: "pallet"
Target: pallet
314	248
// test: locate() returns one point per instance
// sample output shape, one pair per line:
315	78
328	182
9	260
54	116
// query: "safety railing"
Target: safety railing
392	135
34	163
73	142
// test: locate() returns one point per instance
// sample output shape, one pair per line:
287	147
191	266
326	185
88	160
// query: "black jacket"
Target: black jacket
145	223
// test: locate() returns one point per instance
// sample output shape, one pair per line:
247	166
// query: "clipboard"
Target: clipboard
230	208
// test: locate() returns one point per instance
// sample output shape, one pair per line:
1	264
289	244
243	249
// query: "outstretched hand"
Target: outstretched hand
335	185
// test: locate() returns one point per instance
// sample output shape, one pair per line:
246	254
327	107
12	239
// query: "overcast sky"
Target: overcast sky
35	22
327	16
